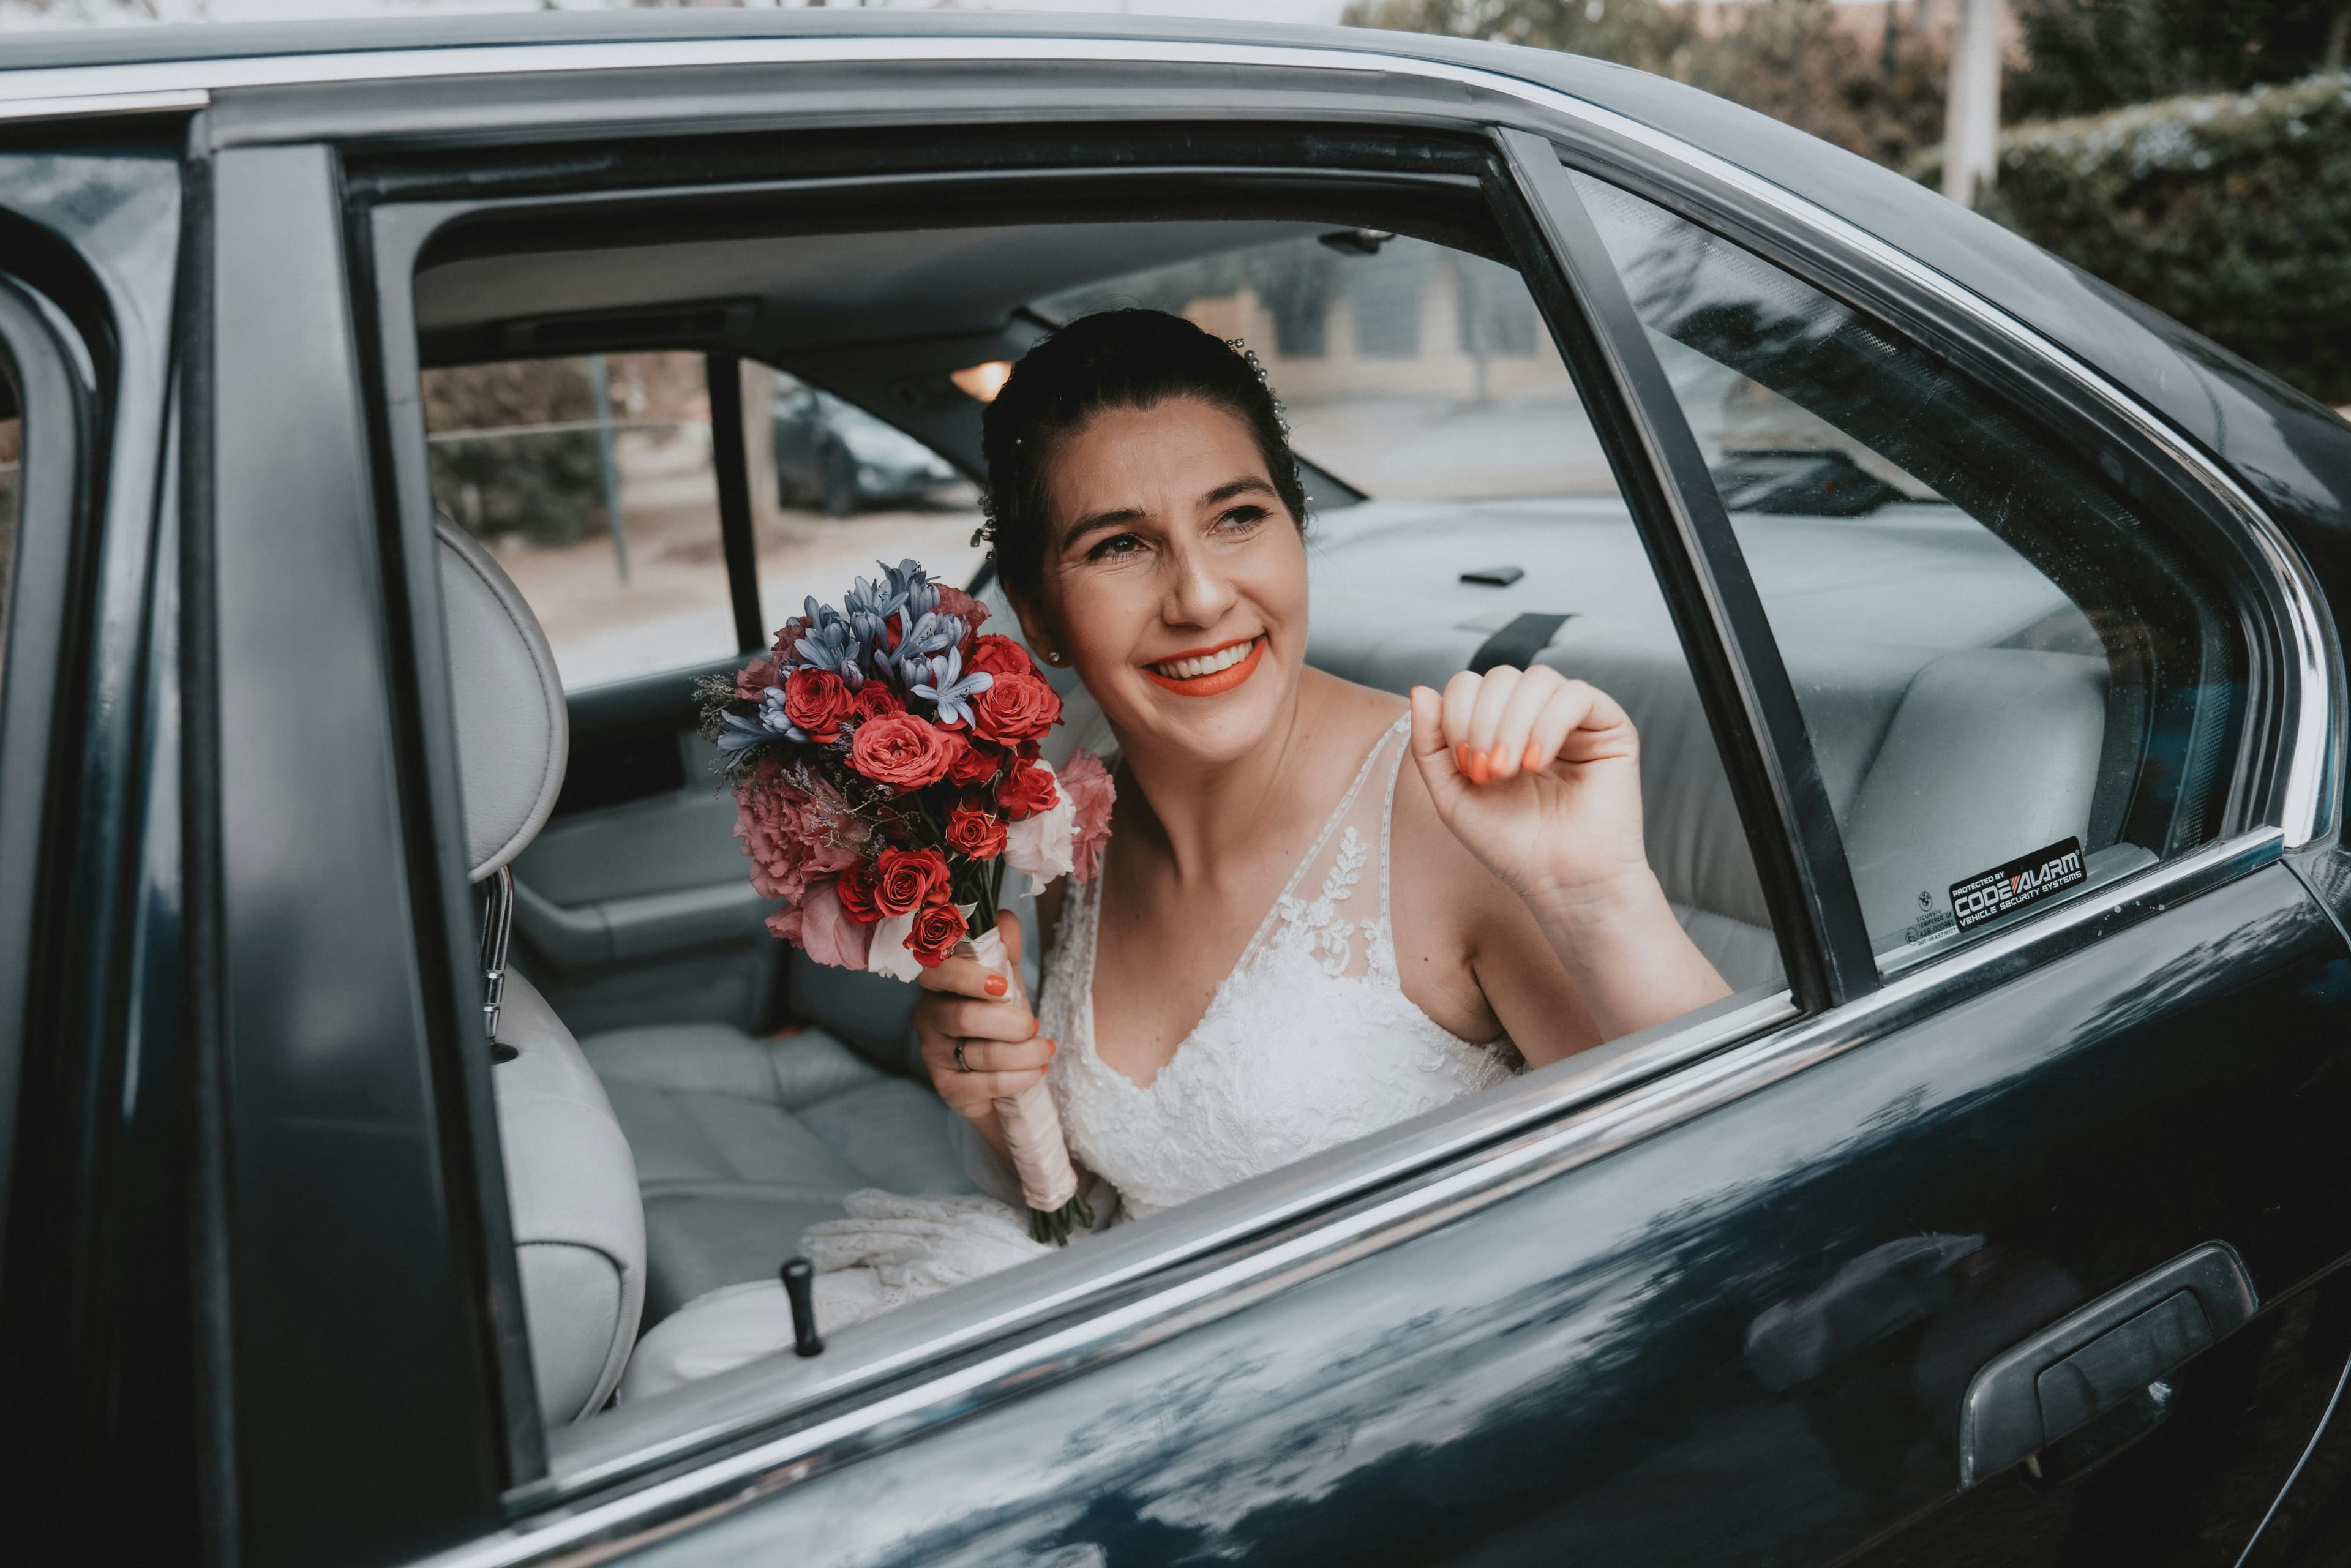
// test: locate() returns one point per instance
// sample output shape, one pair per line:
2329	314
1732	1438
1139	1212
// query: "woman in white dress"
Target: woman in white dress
1322	908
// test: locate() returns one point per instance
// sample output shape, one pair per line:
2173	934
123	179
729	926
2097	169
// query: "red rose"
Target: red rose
856	889
976	832
902	751
752	681
817	701
955	602
976	762
998	656
907	879
936	931
1026	792
1016	708
873	699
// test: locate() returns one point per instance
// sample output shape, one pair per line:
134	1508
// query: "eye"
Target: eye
1242	517
1114	546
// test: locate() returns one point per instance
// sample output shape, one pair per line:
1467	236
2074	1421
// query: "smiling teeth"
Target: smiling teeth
1206	663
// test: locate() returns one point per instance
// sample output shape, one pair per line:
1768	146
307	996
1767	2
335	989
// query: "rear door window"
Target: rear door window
2015	682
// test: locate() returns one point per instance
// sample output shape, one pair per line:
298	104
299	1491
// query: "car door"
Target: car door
2008	1249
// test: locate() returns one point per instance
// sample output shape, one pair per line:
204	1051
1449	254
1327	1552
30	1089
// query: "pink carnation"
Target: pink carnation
1087	784
793	838
820	927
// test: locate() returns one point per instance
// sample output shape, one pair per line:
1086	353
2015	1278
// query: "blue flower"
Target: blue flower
943	681
736	736
833	647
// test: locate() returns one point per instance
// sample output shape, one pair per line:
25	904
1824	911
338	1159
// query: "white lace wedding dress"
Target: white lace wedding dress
1309	1042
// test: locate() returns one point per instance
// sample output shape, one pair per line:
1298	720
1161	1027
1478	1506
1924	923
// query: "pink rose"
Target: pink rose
901	751
1087	784
753	679
820	928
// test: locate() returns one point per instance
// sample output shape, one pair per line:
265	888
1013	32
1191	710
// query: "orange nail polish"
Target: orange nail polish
1501	759
1534	758
1461	755
1480	769
1051	1046
997	985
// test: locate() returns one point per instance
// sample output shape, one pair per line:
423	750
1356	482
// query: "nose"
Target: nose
1197	592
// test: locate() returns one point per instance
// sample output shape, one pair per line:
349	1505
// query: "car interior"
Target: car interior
684	1095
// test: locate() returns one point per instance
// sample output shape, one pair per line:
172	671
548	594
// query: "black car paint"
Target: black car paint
1467	1395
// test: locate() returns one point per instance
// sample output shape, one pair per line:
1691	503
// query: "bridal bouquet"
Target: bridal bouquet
885	758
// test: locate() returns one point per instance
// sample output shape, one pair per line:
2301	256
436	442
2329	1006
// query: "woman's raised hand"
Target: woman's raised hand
1538	775
964	1005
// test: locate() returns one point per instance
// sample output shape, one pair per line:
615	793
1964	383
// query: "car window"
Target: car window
1408	369
842	489
2014	685
590	478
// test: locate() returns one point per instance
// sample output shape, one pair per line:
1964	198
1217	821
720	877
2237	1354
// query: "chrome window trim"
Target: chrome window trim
2305	804
592	1531
88	103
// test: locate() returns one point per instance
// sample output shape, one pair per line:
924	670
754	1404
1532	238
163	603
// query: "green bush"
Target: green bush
2230	213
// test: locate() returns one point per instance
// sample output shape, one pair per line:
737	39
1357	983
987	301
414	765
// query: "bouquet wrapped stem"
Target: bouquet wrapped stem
886	759
1032	1130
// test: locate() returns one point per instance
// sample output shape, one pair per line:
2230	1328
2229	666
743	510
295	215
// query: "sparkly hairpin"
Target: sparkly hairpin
1240	346
986	533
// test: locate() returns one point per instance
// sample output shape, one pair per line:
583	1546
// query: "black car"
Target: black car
836	456
394	1057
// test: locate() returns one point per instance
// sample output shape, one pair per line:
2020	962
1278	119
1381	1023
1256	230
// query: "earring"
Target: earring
1050	657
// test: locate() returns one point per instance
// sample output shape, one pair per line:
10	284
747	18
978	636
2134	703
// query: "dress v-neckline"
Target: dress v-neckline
1093	914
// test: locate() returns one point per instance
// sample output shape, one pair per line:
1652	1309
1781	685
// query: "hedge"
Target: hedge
2228	212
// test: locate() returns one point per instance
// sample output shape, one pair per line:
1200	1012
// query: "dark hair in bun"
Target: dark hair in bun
1119	358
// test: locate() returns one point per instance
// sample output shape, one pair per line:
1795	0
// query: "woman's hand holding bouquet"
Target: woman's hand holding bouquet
886	771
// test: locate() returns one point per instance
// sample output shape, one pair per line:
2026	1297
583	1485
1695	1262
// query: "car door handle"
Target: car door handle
2096	1359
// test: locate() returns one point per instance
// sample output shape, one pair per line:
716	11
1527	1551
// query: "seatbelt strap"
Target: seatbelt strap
1518	642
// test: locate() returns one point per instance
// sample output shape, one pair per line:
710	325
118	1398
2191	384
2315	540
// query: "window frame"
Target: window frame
1310	1218
399	232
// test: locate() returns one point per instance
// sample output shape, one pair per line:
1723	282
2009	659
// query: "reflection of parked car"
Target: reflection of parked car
834	454
1964	1235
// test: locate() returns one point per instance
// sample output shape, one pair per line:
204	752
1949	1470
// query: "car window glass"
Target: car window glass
590	478
1406	369
1480	527
2013	683
842	489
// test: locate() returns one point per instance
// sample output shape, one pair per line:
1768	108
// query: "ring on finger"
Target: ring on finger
961	1065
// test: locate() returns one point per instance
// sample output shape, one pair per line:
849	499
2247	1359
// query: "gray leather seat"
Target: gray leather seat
571	1186
741	1144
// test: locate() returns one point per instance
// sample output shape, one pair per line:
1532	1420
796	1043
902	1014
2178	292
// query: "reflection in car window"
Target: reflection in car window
2013	684
1406	369
12	451
847	490
591	480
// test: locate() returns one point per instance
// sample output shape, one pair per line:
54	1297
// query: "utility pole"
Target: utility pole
1971	107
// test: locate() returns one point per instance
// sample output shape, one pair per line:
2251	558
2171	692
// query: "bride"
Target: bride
1321	909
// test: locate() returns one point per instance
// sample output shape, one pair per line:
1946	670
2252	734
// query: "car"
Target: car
407	1113
836	456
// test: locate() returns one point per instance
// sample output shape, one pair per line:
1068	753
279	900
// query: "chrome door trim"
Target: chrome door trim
1203	1288
2306	807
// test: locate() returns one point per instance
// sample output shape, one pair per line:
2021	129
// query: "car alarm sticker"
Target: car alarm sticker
2028	879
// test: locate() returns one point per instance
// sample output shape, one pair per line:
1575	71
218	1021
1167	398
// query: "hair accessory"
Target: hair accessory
986	533
1240	346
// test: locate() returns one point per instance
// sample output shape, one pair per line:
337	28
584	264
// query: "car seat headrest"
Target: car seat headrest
513	732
